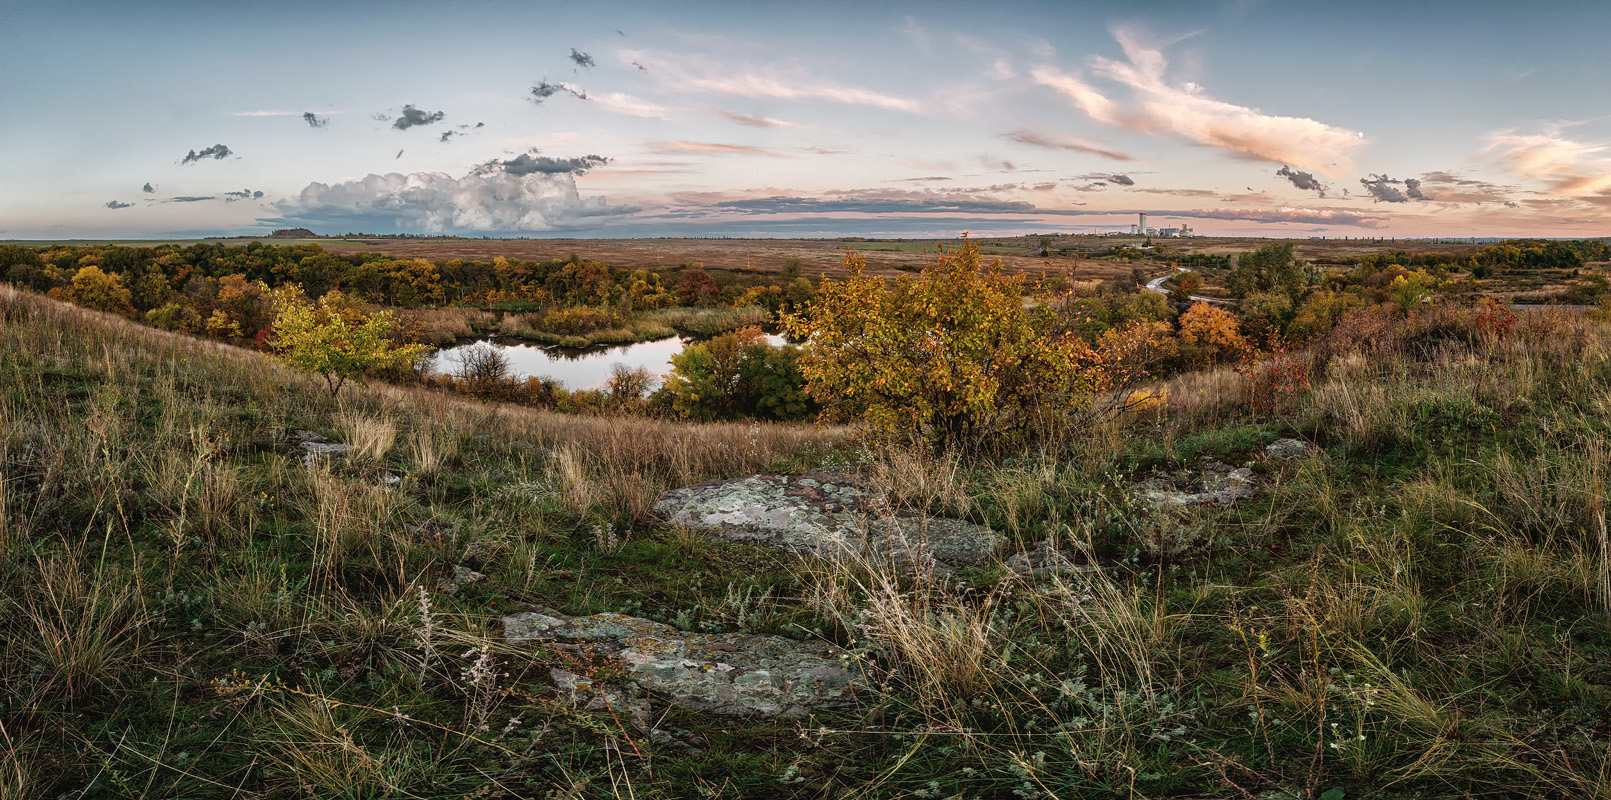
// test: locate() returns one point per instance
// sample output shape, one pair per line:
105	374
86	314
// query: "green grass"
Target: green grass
1423	609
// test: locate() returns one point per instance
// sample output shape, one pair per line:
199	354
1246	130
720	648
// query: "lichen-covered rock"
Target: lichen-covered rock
1214	484
827	516
727	674
462	576
1044	559
1288	449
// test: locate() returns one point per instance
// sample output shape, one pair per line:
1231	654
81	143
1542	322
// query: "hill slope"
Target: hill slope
1417	604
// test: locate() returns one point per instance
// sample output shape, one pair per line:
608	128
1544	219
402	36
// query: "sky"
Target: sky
819	119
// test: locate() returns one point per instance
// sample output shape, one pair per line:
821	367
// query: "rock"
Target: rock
827	516
391	479
766	676
1044	559
432	531
304	436
325	448
1214	484
686	741
591	695
462	577
1288	449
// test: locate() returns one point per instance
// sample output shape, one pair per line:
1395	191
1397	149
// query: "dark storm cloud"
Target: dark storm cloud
582	59
1302	180
413	117
244	194
1412	187
546	89
641	68
117	204
190	199
528	164
216	152
148	188
1382	188
313	120
399	155
446	135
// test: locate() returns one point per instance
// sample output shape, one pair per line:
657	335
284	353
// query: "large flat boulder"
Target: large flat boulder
726	674
828	516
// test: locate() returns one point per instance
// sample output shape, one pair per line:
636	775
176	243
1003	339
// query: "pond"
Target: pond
585	368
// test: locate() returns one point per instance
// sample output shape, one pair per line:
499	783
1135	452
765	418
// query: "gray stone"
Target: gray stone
304	436
325	448
827	516
1214	484
1288	449
725	674
588	694
431	531
1044	559
462	577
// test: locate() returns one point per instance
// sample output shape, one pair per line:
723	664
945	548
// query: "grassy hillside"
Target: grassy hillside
1421	608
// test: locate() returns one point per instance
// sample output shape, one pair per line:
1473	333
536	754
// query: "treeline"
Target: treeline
1516	254
221	290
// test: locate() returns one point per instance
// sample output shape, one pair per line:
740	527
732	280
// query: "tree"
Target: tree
1183	284
1209	334
1267	269
697	287
320	340
737	374
951	358
95	289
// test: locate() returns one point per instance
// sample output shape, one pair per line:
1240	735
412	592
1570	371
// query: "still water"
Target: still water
586	368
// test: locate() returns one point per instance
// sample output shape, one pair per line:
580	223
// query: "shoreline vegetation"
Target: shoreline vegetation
1346	539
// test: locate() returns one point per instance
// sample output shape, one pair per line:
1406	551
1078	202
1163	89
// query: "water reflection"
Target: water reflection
586	368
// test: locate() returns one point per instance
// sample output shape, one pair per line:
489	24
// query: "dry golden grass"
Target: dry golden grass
371	437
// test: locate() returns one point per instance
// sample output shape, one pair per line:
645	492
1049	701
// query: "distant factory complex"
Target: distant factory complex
1141	229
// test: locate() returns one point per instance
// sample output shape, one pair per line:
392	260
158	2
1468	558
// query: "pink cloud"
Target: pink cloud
1571	168
1069	143
1158	106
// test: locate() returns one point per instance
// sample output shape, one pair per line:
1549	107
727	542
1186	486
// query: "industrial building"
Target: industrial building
1141	229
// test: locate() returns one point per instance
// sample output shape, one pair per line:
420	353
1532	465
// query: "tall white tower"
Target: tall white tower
1142	228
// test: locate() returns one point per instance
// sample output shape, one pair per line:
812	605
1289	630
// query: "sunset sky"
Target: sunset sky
804	119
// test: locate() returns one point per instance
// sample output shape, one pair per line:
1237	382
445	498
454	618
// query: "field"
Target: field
1416	605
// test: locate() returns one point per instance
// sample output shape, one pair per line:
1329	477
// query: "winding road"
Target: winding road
1156	285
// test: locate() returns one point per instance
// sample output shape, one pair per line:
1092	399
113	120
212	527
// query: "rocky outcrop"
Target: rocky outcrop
1288	449
725	674
315	446
1214	484
827	516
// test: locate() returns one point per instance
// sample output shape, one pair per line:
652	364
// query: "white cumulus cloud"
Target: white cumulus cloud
435	202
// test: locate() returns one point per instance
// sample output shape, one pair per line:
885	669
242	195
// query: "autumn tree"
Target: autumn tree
1209	334
951	358
322	340
697	287
1183	284
95	289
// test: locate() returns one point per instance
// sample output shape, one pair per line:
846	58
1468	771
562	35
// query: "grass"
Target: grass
1421	609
